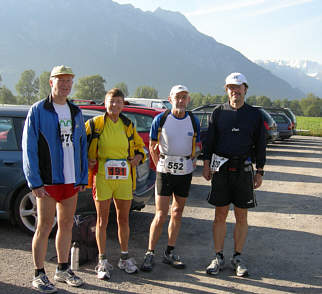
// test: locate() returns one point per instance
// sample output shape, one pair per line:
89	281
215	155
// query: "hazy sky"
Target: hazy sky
259	29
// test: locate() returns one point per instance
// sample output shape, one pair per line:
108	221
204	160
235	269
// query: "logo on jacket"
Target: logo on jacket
235	129
190	134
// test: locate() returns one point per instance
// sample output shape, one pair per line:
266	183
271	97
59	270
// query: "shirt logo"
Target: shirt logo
235	129
190	134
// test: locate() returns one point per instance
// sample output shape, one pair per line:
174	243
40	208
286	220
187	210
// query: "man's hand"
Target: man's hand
258	179
154	151
91	163
206	170
82	188
40	192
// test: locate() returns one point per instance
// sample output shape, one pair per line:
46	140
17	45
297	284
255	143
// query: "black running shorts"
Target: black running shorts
233	187
168	184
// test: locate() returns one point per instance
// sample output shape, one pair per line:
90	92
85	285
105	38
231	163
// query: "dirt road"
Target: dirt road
283	249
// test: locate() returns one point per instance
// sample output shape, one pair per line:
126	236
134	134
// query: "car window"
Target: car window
8	140
167	104
157	105
280	118
203	118
141	122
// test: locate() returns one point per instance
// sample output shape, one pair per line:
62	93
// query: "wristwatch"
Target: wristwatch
261	172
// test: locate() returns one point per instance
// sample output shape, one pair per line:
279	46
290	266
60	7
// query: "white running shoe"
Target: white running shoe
103	269
128	265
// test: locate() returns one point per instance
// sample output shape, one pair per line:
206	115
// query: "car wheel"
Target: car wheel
25	211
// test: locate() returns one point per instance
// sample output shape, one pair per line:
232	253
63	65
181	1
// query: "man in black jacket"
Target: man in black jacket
236	134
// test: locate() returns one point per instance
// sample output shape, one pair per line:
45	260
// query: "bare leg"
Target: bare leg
103	211
241	228
46	209
175	219
219	227
122	211
161	214
65	216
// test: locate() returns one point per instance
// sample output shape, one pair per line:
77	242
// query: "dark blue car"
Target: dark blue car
284	125
16	200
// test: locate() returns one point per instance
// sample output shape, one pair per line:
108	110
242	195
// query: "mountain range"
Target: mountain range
123	44
304	74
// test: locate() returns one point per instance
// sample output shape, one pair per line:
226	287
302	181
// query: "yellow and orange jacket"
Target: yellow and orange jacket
94	127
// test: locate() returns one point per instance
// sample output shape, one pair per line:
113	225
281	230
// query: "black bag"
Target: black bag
84	234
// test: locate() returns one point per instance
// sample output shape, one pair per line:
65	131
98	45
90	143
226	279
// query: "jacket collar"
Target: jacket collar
49	105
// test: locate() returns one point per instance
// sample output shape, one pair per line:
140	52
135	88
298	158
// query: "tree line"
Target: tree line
31	88
310	105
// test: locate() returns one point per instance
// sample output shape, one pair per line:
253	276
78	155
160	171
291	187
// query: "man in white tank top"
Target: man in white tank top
171	151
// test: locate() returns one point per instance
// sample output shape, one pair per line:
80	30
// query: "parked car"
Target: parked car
284	125
270	126
288	112
150	102
16	200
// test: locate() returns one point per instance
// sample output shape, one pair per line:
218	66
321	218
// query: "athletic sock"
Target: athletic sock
150	251
39	271
101	256
62	266
169	249
221	254
124	255
236	254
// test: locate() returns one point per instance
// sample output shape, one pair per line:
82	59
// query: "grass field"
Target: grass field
311	126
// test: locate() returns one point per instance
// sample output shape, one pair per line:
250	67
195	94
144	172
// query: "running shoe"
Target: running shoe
148	262
68	277
128	265
42	284
173	260
216	265
103	269
239	266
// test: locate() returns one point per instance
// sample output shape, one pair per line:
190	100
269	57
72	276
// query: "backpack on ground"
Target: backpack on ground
84	234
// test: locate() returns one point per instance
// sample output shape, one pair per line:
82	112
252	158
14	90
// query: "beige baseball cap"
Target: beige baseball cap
61	70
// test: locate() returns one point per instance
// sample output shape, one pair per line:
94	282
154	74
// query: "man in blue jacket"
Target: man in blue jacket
55	166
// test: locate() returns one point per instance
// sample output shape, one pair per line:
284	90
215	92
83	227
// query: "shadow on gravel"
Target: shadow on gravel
267	201
304	141
294	163
293	147
272	254
289	153
290	177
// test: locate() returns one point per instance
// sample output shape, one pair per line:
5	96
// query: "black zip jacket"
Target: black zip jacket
236	132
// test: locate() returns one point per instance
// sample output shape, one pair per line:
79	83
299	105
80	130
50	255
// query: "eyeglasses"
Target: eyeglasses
181	97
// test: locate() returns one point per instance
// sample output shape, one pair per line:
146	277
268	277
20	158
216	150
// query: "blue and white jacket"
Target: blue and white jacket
43	158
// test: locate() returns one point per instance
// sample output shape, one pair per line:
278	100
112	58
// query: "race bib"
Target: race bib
216	162
176	165
66	136
116	169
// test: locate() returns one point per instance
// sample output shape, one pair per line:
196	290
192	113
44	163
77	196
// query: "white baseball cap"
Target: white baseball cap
236	78
177	89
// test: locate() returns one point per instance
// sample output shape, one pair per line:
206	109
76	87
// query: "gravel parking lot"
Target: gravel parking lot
283	250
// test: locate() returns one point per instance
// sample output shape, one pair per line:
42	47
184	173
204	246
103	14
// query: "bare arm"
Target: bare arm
154	151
